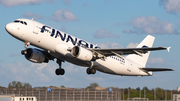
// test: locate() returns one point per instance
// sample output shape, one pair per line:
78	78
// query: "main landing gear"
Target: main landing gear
91	71
23	52
59	71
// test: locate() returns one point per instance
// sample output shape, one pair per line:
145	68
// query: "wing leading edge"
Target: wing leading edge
126	51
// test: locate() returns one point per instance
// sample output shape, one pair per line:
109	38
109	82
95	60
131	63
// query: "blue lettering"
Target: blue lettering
43	29
53	31
69	37
59	33
73	41
83	43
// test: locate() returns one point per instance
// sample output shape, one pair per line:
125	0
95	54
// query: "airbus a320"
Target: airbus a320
55	44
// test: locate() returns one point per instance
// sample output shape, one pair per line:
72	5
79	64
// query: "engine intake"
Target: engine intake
82	53
35	55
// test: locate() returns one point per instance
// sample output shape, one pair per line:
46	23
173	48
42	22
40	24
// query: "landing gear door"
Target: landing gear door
35	28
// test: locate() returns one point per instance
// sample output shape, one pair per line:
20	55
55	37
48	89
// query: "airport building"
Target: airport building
17	98
67	94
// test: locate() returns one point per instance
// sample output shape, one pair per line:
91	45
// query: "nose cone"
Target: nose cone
9	28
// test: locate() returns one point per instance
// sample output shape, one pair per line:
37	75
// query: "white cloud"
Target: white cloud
103	33
129	31
15	54
30	72
63	28
150	25
40	66
107	45
32	15
67	2
11	3
71	68
171	6
63	15
132	45
157	60
42	75
85	4
94	79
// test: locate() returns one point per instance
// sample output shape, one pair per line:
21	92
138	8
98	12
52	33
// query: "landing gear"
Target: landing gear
23	52
59	71
91	71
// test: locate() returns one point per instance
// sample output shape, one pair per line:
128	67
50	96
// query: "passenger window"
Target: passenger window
25	23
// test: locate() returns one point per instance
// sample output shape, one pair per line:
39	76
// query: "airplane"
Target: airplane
54	44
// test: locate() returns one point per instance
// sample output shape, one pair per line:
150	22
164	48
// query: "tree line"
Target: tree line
151	94
18	84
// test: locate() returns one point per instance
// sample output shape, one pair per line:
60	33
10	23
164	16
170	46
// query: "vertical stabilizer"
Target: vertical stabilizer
142	60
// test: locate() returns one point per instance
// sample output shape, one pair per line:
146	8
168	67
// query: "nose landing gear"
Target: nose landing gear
23	52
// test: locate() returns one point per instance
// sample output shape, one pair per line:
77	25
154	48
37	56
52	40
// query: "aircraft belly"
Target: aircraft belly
71	59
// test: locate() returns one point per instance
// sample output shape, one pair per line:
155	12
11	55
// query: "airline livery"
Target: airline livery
55	44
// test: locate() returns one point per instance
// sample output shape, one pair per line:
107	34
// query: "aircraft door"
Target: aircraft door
35	28
130	67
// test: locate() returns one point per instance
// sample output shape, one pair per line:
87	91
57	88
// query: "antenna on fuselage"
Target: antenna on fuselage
32	19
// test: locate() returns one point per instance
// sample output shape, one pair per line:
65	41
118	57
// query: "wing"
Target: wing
156	69
126	51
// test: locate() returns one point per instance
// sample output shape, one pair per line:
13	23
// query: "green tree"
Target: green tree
27	85
17	84
93	85
62	86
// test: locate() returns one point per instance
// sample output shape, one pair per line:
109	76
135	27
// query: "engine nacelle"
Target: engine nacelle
35	56
82	53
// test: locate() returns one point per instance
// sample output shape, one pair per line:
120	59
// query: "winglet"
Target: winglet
168	49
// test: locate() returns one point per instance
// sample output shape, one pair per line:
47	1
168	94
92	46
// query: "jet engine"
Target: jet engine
82	53
35	55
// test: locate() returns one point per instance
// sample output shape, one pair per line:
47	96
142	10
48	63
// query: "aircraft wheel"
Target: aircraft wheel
88	71
93	71
23	52
62	71
57	72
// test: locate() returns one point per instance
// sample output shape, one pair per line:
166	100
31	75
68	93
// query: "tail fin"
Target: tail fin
142	60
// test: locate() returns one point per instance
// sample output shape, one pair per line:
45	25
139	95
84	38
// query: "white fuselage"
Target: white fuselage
57	44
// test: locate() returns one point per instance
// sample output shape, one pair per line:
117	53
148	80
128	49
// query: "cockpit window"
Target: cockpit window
22	22
17	21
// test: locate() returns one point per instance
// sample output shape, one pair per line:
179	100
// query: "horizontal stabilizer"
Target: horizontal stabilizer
156	69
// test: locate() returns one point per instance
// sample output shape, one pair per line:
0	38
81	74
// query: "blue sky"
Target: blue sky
108	23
